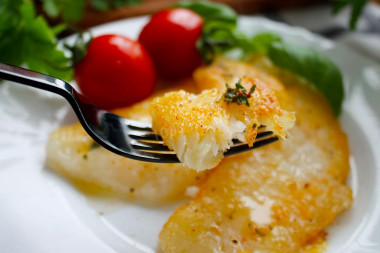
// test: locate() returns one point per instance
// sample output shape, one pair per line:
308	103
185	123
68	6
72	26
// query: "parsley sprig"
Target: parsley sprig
26	38
238	94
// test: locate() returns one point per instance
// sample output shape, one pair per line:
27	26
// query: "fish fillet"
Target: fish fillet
200	128
278	198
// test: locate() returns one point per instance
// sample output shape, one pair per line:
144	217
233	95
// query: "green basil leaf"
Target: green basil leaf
357	8
261	42
338	5
313	66
211	11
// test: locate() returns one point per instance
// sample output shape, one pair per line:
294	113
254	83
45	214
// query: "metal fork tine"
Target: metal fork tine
149	146
160	157
142	131
139	135
263	134
259	136
145	129
146	142
139	126
159	149
244	147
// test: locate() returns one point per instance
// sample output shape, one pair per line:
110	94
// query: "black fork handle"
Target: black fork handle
45	82
37	80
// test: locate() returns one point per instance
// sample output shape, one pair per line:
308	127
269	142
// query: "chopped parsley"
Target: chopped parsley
94	145
238	94
259	232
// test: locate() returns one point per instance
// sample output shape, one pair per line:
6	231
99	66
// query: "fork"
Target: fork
126	137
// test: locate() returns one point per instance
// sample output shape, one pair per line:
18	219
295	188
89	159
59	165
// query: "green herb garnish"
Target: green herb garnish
80	46
259	232
238	94
71	11
221	36
94	145
27	39
323	74
356	9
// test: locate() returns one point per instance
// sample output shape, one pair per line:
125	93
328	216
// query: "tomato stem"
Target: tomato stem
79	48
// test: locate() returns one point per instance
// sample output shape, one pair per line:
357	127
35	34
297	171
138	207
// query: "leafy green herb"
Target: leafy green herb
231	214
72	10
214	12
28	39
356	9
253	88
318	69
105	5
259	232
261	43
220	35
219	31
238	94
79	48
94	145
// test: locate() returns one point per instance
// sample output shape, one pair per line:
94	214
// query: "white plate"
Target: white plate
42	212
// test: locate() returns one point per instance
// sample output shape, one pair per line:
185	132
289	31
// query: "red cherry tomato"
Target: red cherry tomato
170	38
115	72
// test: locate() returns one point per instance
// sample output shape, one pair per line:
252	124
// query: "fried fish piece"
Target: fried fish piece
71	152
279	198
223	71
200	128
